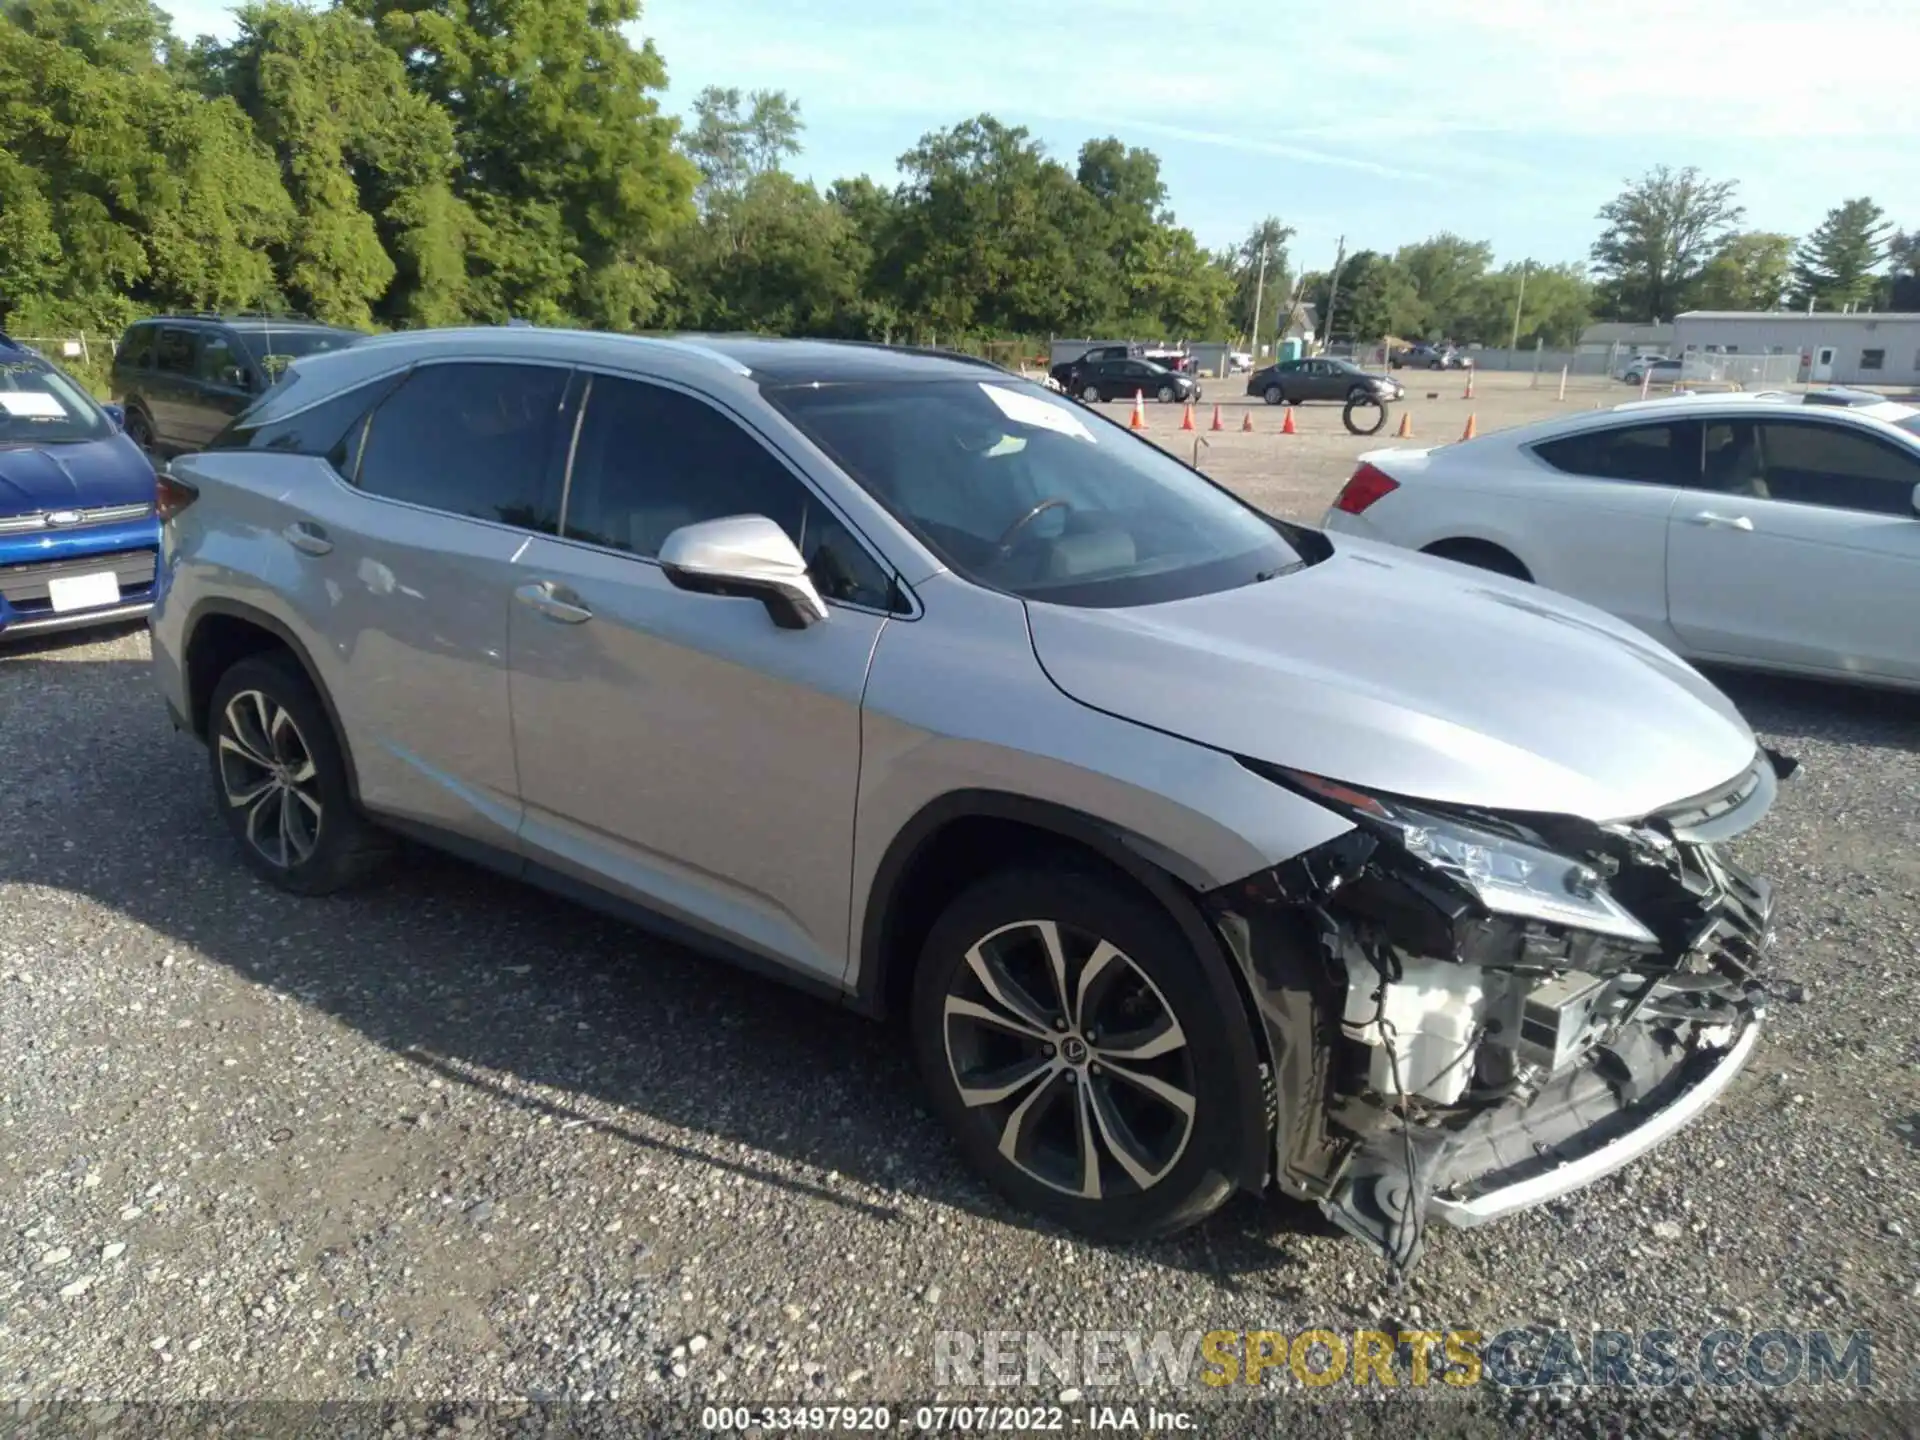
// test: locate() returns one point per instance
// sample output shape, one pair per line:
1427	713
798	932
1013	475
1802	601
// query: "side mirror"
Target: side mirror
236	378
117	414
745	555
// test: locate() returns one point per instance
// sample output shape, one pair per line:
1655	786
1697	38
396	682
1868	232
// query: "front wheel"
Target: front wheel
281	782
1069	1037
140	431
1091	394
1166	395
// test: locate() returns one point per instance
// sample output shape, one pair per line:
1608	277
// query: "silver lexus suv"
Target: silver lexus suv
1197	851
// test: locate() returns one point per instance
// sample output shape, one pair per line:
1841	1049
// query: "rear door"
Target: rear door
1598	527
171	384
1804	551
411	561
221	389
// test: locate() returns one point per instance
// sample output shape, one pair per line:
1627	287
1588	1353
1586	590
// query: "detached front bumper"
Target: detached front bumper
1616	1136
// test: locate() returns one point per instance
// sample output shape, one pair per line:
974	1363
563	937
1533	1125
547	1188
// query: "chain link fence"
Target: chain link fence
88	358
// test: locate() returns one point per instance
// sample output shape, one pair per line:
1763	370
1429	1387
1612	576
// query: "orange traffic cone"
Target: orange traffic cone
1139	420
1186	417
1246	423
1217	423
1471	430
1287	427
1405	432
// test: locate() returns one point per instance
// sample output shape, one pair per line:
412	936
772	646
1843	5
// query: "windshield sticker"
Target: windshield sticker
1038	411
32	405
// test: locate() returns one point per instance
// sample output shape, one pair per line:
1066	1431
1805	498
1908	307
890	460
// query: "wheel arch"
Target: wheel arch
965	835
222	632
1459	547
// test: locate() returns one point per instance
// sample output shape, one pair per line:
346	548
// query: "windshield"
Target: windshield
273	350
41	406
1024	492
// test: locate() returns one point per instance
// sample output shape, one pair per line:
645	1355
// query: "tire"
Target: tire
1091	394
1482	555
1274	395
1184	1156
303	835
140	431
1359	402
1166	395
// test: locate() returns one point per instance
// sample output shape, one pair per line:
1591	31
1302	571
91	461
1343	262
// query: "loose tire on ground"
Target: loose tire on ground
1360	405
1014	1113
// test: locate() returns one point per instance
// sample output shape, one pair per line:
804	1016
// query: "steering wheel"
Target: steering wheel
1005	545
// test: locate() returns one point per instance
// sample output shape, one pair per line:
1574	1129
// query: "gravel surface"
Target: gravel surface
450	1140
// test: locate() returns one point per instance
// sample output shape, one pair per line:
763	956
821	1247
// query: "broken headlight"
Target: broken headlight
1507	875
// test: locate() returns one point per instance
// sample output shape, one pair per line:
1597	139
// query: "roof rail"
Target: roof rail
285	315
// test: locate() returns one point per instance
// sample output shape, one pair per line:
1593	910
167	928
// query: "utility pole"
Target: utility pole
1259	294
1514	344
1333	292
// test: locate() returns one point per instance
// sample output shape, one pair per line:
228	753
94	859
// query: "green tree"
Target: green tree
1899	289
123	190
1748	272
1376	298
369	164
732	144
1555	303
1834	265
1660	232
1242	268
564	153
1445	271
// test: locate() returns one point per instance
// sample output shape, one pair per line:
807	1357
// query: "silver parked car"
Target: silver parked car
1199	851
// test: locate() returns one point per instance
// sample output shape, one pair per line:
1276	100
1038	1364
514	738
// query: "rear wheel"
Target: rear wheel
1091	394
1274	395
281	782
1482	555
1068	1035
140	431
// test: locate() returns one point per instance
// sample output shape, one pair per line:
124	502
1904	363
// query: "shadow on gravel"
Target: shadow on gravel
1783	706
546	1006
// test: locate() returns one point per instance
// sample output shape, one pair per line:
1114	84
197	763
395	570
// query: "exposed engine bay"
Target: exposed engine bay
1471	1013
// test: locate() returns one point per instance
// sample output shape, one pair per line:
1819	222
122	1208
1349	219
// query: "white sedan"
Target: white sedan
1751	530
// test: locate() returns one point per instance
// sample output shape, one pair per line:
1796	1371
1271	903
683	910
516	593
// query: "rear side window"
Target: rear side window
470	439
1837	468
330	428
1649	454
173	354
136	348
220	364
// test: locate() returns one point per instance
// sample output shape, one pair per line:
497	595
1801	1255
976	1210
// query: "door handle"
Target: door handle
1725	522
553	601
307	538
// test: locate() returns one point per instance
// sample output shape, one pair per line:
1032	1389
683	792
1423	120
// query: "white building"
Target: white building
1864	348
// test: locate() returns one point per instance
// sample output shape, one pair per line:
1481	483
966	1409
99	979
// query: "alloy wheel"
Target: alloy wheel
267	771
1072	1057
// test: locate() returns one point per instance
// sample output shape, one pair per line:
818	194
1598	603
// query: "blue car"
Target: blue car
79	537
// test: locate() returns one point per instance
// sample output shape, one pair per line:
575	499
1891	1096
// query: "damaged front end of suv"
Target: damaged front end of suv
1471	1013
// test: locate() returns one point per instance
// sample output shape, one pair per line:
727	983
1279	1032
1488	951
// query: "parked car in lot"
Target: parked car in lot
1124	379
1292	381
1200	851
1660	367
78	537
1767	530
182	378
1425	356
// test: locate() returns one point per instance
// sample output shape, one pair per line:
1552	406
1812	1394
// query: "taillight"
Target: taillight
1367	486
171	496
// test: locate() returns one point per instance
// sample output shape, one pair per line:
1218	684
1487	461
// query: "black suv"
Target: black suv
183	377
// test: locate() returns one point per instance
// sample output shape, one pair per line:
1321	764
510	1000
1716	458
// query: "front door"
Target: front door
1823	363
677	749
1804	551
170	386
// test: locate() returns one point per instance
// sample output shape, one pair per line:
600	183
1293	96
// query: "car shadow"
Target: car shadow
530	1000
1787	706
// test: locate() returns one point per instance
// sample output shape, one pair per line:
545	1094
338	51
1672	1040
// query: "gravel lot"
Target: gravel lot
450	1140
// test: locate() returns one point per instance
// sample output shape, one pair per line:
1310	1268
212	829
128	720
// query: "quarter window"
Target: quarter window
330	428
469	439
1651	454
650	460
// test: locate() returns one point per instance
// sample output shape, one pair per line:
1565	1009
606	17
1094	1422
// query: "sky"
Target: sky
1510	121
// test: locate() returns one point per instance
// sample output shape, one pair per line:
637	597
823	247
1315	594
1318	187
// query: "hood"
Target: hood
1397	672
81	476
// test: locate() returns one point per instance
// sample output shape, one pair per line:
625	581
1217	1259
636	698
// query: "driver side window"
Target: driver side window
650	459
